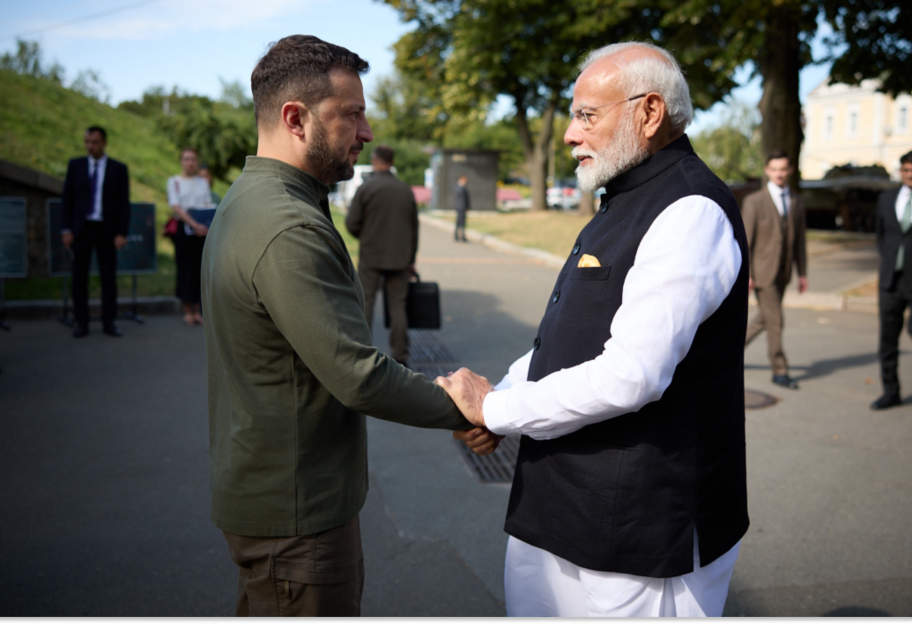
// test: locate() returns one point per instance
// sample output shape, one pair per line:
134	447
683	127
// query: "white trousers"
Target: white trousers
539	584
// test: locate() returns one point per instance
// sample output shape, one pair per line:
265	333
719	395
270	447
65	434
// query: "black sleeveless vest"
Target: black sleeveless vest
624	495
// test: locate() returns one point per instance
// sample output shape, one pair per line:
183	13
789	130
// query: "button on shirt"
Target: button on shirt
685	267
101	164
776	193
902	198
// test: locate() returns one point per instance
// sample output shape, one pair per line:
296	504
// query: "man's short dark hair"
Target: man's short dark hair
906	159
383	153
776	155
297	68
99	130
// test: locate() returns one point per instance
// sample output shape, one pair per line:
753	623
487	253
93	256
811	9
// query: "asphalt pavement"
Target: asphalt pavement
104	468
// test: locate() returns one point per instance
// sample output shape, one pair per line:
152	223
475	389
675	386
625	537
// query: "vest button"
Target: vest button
555	297
576	249
536	343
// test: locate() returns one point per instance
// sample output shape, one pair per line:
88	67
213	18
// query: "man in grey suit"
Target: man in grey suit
384	217
775	228
461	204
894	244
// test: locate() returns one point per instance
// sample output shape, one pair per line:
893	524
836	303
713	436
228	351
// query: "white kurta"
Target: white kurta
685	267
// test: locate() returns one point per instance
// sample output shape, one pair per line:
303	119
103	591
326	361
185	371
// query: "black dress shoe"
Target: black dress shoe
81	331
112	330
785	381
887	400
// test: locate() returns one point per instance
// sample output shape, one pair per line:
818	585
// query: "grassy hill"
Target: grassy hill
42	126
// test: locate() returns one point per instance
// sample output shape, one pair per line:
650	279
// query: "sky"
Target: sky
195	44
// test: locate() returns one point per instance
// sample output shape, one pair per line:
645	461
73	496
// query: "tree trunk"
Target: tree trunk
537	151
587	204
780	105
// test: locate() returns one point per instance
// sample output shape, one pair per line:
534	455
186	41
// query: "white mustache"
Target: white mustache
578	153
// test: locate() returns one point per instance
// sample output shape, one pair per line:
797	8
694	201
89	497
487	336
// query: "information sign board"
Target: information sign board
138	257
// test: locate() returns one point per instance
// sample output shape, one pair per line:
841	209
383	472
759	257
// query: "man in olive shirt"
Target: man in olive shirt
291	366
384	216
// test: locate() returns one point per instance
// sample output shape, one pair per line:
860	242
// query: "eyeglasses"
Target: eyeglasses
582	114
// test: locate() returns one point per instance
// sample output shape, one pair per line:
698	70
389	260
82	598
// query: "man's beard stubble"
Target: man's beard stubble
331	168
623	154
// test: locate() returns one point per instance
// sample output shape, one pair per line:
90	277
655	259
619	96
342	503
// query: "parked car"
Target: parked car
563	195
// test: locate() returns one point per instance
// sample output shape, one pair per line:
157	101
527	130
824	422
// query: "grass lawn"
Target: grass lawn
551	230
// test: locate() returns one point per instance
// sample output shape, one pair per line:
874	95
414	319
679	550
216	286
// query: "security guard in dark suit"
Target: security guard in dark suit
96	215
893	225
384	216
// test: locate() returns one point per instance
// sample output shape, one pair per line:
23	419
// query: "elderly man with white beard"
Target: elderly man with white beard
630	495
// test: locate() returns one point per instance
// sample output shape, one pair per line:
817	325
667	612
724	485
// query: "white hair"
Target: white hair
648	74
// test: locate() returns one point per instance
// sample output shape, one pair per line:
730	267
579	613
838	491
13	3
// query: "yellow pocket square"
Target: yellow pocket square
588	261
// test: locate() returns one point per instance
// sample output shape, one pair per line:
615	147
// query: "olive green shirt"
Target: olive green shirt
291	366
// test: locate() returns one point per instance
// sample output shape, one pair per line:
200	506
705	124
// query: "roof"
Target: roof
30	177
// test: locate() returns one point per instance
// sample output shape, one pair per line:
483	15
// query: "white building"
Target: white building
854	125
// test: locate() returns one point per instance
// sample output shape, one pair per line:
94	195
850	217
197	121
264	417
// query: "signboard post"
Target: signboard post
13	246
138	257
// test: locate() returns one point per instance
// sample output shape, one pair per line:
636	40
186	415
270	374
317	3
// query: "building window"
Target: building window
902	120
828	127
852	124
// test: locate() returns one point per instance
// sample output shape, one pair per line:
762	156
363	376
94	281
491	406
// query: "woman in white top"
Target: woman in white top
187	191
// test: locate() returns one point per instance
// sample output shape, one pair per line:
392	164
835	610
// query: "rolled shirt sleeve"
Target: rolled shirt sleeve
685	267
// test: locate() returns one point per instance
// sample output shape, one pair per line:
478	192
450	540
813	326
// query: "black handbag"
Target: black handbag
422	305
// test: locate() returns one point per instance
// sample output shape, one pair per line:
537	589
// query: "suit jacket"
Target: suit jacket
889	236
766	238
384	216
115	197
461	198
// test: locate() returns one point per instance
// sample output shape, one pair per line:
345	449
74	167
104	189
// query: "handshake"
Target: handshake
468	391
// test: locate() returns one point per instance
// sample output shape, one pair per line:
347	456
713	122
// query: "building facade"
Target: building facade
854	125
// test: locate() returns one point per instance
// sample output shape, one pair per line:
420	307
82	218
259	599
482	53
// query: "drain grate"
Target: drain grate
497	467
430	353
423	336
758	400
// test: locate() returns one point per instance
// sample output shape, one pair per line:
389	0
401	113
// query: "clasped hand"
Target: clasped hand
468	391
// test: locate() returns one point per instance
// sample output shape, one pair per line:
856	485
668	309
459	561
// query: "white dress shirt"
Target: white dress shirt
189	193
101	164
685	267
776	192
902	198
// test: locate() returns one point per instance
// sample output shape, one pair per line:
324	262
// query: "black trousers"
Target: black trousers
188	255
892	305
93	236
460	225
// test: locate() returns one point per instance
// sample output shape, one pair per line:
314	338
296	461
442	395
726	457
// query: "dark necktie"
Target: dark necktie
93	184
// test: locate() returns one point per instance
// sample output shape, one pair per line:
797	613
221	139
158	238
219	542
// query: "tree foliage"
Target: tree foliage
732	147
28	60
223	131
468	52
871	39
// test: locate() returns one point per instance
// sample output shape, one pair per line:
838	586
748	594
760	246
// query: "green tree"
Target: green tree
732	147
223	131
28	60
871	40
468	52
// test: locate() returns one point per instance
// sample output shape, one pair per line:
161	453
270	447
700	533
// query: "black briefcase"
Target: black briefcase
422	305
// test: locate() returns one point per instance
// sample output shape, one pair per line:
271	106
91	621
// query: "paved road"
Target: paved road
104	473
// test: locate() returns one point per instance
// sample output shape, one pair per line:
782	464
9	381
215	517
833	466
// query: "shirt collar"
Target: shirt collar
775	190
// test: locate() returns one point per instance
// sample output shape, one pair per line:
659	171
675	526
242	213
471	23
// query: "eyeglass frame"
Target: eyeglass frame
582	114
